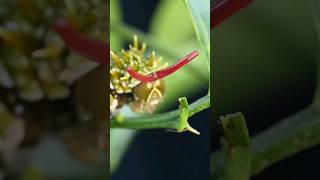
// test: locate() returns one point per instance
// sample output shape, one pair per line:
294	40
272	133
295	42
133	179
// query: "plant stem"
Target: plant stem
290	136
236	143
169	120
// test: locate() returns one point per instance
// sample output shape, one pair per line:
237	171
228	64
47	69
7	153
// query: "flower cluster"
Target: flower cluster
140	96
39	78
121	81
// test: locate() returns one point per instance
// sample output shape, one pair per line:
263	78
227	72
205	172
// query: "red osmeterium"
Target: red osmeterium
87	47
222	9
164	72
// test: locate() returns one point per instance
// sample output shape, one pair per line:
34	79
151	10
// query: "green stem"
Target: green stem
237	152
292	135
169	120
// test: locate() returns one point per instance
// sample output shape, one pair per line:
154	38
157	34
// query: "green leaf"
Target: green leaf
200	15
171	23
115	16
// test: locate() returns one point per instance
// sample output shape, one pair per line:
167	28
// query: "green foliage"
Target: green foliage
290	135
199	11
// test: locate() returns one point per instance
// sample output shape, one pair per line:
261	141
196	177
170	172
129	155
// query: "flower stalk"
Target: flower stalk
168	120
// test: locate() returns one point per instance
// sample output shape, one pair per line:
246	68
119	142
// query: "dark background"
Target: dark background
264	66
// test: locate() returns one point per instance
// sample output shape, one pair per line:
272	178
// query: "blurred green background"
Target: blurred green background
264	60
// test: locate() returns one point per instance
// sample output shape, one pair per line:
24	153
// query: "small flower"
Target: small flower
121	80
140	96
